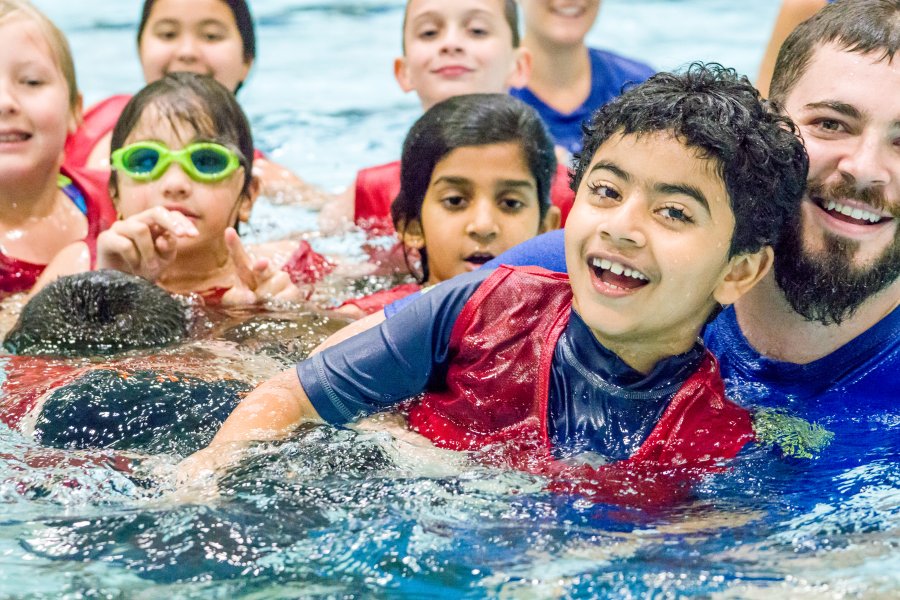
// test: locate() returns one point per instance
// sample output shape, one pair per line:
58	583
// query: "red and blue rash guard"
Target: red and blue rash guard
554	392
376	187
610	73
89	191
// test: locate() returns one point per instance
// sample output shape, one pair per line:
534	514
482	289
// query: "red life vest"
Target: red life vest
97	122
376	187
375	302
495	399
18	275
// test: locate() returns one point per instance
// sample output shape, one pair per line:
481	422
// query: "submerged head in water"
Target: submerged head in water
97	313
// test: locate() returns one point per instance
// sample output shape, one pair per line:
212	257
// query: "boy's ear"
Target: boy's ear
401	74
411	235
520	72
245	206
551	220
743	272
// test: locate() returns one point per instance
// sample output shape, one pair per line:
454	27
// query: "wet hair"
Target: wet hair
464	121
510	13
861	26
713	110
195	100
242	17
55	38
97	313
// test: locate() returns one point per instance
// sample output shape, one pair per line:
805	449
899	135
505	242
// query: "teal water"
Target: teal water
357	514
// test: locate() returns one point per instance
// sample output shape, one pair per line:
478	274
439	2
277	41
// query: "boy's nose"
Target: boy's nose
624	224
451	42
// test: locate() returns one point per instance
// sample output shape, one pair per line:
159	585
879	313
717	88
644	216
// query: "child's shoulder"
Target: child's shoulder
618	66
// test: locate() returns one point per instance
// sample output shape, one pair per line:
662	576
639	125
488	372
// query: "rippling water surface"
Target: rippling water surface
360	513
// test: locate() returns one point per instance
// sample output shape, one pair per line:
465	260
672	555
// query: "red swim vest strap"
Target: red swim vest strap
375	190
377	301
94	187
700	426
98	122
500	345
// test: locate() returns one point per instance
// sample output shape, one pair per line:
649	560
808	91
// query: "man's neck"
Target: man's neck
560	75
775	330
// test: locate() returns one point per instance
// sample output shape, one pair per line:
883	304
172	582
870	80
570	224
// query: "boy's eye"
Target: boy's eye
33	82
427	33
604	191
675	213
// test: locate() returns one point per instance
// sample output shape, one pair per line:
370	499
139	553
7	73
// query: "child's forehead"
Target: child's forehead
654	154
424	9
163	124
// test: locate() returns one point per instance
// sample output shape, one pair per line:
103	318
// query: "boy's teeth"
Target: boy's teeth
12	137
618	268
853	213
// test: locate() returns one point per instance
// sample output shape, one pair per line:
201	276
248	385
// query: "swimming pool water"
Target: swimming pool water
340	513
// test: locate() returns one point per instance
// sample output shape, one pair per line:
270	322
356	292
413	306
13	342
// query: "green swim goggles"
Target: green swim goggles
206	162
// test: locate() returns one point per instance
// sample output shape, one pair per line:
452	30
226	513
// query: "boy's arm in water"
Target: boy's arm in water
365	374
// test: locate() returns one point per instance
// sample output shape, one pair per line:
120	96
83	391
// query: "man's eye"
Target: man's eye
831	125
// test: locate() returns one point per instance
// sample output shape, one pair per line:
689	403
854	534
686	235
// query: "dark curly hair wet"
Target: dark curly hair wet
719	113
97	313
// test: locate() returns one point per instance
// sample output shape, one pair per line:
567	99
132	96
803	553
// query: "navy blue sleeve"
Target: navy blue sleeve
546	250
380	367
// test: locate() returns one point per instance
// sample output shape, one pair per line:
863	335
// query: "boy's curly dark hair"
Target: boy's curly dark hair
759	154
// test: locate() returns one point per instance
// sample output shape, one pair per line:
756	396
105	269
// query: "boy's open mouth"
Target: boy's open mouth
850	214
479	258
616	274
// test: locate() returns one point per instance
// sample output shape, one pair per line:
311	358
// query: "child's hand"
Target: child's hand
257	280
143	244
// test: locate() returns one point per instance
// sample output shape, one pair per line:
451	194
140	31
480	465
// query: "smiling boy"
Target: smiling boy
684	183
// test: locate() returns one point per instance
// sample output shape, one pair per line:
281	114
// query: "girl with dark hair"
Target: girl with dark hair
475	180
181	183
212	37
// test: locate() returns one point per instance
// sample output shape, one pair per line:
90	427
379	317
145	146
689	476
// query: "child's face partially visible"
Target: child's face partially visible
459	47
562	22
211	207
200	36
481	201
647	243
35	116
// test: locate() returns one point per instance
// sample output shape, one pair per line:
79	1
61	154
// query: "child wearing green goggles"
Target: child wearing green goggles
181	182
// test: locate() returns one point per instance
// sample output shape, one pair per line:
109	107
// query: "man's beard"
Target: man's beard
826	286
